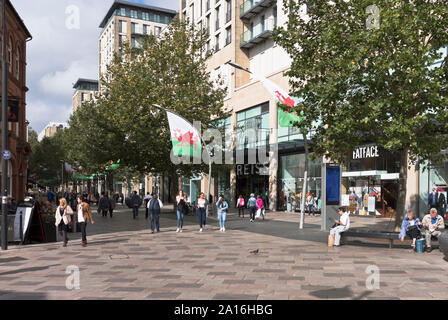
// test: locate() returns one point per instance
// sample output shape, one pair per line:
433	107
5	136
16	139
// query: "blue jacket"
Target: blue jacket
406	224
222	206
252	202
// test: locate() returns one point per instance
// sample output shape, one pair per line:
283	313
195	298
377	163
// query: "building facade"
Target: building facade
128	22
240	31
85	90
51	129
17	36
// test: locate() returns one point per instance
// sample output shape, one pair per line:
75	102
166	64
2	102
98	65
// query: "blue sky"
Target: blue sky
57	56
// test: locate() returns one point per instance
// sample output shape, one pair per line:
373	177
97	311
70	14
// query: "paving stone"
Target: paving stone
125	289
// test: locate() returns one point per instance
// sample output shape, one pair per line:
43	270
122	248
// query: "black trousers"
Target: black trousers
83	226
111	212
104	212
240	210
252	211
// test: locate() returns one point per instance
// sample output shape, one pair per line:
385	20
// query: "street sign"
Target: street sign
6	155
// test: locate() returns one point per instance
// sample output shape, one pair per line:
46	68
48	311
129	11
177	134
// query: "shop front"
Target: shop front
370	182
252	178
291	175
433	179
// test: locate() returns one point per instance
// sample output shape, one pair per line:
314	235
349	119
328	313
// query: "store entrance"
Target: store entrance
389	191
259	185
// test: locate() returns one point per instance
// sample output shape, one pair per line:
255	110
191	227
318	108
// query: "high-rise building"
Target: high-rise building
51	129
129	21
240	32
85	90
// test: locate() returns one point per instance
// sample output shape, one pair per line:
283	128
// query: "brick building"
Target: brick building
17	36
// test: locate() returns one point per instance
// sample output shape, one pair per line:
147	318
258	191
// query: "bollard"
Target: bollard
21	228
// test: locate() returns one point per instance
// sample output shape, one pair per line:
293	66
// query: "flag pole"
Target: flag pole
206	148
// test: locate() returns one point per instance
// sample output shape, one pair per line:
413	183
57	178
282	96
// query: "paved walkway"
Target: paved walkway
124	261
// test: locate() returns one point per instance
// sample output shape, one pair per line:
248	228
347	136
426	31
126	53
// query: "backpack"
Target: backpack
154	206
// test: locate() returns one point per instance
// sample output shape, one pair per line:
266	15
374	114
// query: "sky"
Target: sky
62	51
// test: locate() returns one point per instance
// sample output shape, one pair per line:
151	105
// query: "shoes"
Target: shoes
152	232
177	231
429	249
223	229
180	231
220	230
200	230
65	244
84	244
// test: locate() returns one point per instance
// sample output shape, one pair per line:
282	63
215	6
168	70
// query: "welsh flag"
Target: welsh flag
285	118
185	138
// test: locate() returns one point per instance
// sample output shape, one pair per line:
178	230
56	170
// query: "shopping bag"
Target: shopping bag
331	240
258	214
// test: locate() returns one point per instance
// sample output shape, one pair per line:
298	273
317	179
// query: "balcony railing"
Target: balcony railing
250	8
259	33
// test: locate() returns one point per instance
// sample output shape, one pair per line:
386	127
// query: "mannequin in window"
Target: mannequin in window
432	199
441	203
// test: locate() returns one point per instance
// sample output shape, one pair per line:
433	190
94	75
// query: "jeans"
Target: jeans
201	217
135	211
63	233
155	217
82	226
252	211
310	209
222	218
180	219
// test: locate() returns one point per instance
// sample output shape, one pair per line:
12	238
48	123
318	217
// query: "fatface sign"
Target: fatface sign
366	152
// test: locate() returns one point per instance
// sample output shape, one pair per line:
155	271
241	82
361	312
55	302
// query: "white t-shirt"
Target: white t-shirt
80	216
345	220
412	222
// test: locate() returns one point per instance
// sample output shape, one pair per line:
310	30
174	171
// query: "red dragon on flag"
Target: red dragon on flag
188	139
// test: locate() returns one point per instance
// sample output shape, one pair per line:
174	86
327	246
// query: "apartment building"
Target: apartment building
128	22
85	90
240	32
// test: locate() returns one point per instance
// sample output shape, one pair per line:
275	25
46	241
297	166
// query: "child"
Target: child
240	206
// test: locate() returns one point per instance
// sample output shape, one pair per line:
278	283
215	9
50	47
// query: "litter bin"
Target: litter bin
10	228
420	245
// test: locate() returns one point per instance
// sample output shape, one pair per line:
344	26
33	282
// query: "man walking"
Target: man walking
154	207
104	204
135	202
252	205
432	223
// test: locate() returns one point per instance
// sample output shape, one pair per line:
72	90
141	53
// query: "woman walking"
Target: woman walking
260	206
181	205
222	206
63	219
201	211
112	205
240	205
83	216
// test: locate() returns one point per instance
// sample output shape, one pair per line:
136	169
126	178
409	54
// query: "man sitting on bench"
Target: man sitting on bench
432	223
342	225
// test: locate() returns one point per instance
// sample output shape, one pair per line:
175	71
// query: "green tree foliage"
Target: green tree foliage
45	159
371	85
122	124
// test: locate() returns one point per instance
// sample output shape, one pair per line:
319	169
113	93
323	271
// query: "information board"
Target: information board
333	184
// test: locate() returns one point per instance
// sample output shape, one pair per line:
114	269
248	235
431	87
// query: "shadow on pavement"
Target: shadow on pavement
339	293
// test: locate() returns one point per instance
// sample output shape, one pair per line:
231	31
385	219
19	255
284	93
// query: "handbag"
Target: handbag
258	214
331	240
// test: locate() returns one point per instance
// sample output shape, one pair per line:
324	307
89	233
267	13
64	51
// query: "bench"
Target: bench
391	236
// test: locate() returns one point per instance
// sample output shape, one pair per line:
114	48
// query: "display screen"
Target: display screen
333	183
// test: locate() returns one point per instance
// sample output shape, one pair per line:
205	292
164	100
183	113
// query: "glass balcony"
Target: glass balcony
259	33
251	8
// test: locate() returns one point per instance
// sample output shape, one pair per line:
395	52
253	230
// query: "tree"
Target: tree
367	73
121	124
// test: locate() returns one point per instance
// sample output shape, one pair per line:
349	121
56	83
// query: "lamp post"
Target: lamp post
4	234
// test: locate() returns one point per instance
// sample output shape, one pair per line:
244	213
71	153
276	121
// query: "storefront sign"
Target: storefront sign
252	169
366	152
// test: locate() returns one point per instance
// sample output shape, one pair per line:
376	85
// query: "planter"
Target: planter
443	241
50	232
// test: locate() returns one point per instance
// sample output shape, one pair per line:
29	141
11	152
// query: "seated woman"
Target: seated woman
411	227
341	226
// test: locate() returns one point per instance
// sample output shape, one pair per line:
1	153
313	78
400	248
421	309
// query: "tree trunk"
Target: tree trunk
110	183
401	201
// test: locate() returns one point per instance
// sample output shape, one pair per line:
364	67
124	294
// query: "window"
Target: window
158	30
145	15
134	14
262	23
217	18
122	26
217	43
228	35
133	27
157	18
18	62
145	29
123	12
229	10
83	97
192	12
10	55
257	121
